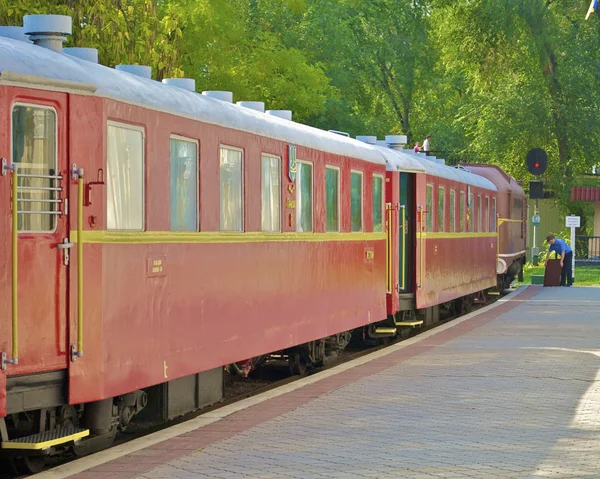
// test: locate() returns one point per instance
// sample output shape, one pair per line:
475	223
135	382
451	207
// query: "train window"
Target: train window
34	151
429	209
479	214
452	207
332	198
184	184
304	199
493	217
462	211
441	207
378	204
125	177
232	189
356	200
271	193
471	212
486	214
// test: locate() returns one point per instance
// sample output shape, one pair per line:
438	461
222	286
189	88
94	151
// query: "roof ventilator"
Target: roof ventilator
396	142
87	54
252	105
137	70
183	83
219	95
16	33
370	140
285	114
48	31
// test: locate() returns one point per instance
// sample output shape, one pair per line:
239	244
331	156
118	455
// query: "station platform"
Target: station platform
510	391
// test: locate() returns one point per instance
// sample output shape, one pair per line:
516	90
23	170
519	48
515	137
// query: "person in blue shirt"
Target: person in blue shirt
566	259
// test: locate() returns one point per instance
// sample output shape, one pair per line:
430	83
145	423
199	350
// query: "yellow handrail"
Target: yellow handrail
388	250
15	268
403	211
80	265
420	208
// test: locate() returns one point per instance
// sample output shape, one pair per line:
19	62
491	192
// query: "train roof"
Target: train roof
397	161
28	60
431	167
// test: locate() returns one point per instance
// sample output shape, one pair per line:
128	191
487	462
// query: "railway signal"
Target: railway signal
537	161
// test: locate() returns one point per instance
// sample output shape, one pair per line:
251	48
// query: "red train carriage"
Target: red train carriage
160	235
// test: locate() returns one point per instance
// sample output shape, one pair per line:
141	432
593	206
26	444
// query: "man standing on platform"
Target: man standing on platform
566	259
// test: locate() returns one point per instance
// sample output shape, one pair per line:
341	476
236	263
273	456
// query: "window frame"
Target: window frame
429	214
339	197
242	187
362	200
479	214
442	195
487	214
141	129
56	159
176	137
471	217
493	220
312	196
462	212
279	168
452	206
381	177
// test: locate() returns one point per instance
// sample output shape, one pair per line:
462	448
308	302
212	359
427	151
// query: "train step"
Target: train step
381	330
47	439
411	324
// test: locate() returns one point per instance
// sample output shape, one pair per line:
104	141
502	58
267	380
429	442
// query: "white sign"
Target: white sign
573	221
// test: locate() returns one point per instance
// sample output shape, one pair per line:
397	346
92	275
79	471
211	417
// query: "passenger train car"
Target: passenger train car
158	235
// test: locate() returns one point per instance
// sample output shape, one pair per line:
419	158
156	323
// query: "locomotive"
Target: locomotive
158	235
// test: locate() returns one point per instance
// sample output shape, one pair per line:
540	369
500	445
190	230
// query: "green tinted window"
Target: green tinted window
377	204
356	201
452	207
462	211
304	211
471	212
332	195
441	206
429	209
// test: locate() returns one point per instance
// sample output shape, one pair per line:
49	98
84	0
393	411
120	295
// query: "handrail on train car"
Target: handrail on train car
389	275
77	351
420	214
403	212
14	266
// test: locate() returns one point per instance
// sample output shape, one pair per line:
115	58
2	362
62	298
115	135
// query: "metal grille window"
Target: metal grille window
441	208
184	185
34	139
452	211
125	178
304	203
271	193
332	198
231	178
462	211
429	209
356	197
378	204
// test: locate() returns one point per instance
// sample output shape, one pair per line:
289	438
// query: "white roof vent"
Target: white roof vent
185	83
371	140
48	31
381	143
285	114
396	142
219	95
137	70
87	54
253	105
16	33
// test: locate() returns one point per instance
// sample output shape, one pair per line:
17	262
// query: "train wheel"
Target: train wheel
28	464
298	364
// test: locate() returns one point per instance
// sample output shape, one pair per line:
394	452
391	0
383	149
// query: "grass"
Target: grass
584	275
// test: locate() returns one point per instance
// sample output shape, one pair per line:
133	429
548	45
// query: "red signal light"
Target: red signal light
536	164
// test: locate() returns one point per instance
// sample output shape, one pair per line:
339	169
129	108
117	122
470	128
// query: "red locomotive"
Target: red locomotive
158	235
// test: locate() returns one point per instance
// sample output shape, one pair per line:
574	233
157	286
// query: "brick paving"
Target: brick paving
513	392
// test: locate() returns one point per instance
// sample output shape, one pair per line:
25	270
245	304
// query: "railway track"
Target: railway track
270	376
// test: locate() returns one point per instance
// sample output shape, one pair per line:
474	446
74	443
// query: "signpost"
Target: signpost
535	220
573	222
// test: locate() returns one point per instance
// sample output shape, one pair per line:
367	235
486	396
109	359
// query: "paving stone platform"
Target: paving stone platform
512	392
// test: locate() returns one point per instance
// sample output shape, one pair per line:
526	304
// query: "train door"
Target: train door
406	238
38	151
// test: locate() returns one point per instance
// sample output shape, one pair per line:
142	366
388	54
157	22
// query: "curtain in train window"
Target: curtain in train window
377	204
493	217
486	214
452	211
356	194
271	193
34	151
429	209
441	208
462	211
125	178
231	179
332	198
479	214
304	206
471	212
184	185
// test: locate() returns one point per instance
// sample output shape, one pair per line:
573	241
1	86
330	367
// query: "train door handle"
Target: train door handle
65	246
